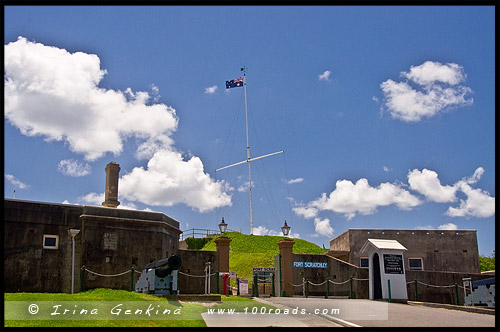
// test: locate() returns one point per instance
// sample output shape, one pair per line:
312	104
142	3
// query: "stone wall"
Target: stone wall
446	295
28	267
193	263
441	250
110	241
337	271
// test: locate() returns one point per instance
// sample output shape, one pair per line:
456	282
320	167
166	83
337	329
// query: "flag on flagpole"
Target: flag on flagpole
234	83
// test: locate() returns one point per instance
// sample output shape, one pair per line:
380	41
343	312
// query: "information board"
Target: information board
243	286
393	264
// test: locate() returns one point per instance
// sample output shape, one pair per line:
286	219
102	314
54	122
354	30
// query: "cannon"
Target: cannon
160	277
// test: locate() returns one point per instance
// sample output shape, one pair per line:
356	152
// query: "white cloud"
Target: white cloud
478	204
386	169
448	227
478	173
96	199
322	227
15	181
297	180
52	93
427	183
74	168
169	180
155	93
245	187
430	72
211	89
307	212
443	227
360	198
349	199
263	230
439	91
325	76
92	199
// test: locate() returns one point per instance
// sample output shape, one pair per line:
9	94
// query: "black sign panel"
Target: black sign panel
393	264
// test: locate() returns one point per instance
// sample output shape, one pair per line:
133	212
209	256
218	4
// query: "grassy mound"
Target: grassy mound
248	251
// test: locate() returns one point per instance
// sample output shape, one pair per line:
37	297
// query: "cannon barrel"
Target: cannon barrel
164	267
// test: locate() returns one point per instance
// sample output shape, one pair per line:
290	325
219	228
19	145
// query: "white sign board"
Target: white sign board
264	269
232	274
243	287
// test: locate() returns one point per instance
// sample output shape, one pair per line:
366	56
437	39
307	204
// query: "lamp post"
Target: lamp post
285	229
222	226
73	232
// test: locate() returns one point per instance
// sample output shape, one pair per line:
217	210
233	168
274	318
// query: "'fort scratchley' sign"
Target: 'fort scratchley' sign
393	264
317	265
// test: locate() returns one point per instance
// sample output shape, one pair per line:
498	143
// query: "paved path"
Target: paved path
270	319
367	313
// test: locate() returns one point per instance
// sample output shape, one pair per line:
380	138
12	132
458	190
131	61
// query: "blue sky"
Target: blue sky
386	114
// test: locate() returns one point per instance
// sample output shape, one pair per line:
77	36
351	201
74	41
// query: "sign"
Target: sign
317	265
393	264
243	286
263	269
232	274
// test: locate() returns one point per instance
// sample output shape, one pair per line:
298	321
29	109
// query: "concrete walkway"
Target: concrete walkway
240	319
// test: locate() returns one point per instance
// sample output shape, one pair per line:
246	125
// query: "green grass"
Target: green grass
248	251
191	311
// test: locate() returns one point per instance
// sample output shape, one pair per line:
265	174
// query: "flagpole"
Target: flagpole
231	84
248	152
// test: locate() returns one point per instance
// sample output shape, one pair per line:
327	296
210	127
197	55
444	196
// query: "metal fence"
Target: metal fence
201	233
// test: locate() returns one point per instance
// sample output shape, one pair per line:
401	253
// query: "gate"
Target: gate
263	281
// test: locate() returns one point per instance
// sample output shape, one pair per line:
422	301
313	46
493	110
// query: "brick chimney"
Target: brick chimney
111	190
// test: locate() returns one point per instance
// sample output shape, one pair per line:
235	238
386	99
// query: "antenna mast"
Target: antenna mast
249	159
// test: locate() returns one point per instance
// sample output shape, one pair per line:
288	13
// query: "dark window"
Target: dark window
415	263
364	262
50	241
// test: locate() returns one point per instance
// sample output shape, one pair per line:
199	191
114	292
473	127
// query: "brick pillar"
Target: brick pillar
286	252
222	244
111	190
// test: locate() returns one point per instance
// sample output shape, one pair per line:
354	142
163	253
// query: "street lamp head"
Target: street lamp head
73	232
285	229
222	226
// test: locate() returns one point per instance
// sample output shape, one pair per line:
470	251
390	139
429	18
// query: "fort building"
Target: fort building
427	250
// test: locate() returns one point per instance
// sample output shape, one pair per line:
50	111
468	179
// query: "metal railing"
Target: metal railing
201	233
306	282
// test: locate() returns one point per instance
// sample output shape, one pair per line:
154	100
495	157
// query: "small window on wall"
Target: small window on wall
415	264
364	262
50	241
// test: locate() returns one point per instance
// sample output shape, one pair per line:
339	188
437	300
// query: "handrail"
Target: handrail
201	233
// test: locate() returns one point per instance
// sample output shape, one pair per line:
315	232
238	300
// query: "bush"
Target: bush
487	263
193	243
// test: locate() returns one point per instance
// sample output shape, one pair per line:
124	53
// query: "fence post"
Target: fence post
132	279
238	286
82	279
327	288
307	287
352	291
416	290
389	286
273	288
217	277
456	292
257	285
